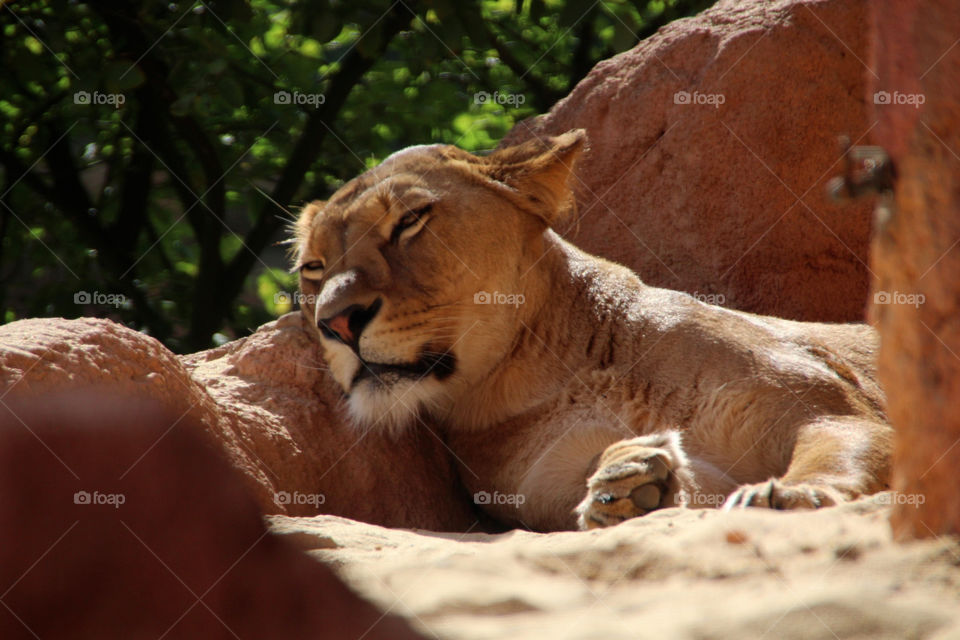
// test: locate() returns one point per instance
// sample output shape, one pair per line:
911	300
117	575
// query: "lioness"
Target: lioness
567	389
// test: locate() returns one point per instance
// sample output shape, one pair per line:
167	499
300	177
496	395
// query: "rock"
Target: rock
710	143
267	401
112	524
915	64
675	573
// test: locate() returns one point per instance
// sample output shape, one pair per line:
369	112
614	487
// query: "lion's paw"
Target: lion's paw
633	478
774	494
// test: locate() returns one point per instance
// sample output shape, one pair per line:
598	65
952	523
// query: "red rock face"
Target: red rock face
267	401
710	144
916	256
112	524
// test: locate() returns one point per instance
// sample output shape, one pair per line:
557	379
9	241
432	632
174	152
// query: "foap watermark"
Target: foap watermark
897	498
895	297
705	499
485	497
96	498
285	497
912	99
713	99
97	97
499	97
709	298
295	297
296	98
485	297
98	298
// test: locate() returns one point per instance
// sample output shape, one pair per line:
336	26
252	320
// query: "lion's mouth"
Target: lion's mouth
438	365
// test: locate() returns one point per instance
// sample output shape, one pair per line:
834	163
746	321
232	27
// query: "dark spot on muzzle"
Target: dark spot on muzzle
439	365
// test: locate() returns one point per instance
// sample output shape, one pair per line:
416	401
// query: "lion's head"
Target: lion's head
419	272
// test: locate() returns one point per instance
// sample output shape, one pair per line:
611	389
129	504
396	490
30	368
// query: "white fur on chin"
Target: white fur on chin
392	407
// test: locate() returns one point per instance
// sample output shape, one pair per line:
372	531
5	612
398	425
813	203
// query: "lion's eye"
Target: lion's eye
312	270
410	223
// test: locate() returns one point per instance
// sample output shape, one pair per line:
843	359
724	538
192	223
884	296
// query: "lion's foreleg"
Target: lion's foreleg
834	459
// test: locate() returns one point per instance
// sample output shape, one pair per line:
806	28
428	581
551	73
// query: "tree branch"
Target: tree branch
76	205
304	154
480	33
134	194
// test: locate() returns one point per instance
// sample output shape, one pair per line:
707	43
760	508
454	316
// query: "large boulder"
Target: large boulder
710	144
916	255
266	400
114	524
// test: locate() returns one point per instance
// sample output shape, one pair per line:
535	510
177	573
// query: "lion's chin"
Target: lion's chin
393	407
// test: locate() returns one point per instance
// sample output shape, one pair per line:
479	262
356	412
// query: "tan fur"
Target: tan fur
696	401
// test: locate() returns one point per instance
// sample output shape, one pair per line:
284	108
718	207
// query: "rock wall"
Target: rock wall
710	143
916	254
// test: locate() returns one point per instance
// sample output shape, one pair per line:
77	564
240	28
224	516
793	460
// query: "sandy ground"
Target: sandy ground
833	573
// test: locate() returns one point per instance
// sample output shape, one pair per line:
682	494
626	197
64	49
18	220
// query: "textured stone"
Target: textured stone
112	524
727	201
916	256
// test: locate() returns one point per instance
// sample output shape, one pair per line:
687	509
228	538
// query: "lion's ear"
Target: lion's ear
538	172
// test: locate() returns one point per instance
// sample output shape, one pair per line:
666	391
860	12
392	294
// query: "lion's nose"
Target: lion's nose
347	325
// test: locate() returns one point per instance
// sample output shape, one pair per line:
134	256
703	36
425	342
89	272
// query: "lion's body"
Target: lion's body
544	383
638	360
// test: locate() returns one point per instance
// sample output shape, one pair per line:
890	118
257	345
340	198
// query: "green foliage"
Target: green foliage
154	150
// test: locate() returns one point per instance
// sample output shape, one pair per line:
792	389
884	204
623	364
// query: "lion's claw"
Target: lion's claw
774	494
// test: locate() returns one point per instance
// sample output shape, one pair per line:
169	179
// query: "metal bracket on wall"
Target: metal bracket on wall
867	170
